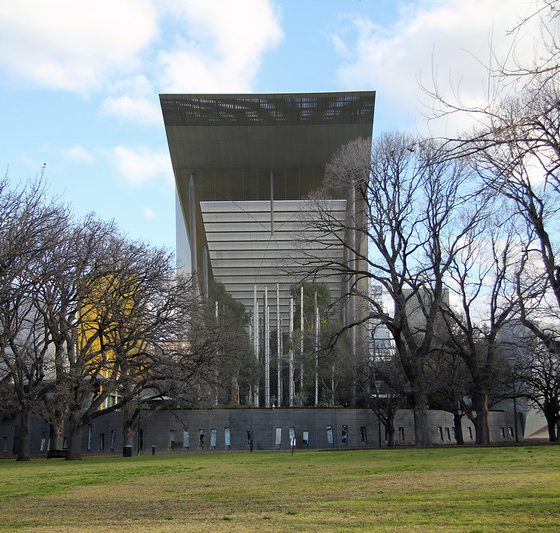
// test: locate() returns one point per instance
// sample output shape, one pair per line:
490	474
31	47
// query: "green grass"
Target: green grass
467	489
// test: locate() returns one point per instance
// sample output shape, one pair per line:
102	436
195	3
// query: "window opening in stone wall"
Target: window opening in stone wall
43	445
113	440
401	433
172	439
344	435
292	434
89	437
278	440
201	439
186	442
305	438
65	443
440	432
448	433
363	434
510	432
213	437
503	431
330	438
227	438
101	442
140	440
470	432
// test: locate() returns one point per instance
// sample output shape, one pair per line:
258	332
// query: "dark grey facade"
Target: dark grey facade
180	431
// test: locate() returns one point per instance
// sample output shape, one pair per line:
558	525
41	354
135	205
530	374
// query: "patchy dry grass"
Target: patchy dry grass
492	489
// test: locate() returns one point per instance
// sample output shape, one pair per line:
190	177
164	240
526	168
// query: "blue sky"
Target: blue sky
80	79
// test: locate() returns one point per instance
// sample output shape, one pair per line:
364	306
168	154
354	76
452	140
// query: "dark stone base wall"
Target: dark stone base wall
167	430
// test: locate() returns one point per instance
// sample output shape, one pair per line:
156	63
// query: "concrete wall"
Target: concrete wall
166	430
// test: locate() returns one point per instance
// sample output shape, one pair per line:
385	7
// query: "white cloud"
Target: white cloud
76	46
143	165
78	153
222	47
449	40
149	213
133	99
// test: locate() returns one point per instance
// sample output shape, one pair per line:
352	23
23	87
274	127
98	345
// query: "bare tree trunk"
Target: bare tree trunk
57	430
481	421
457	421
75	441
23	452
129	429
421	429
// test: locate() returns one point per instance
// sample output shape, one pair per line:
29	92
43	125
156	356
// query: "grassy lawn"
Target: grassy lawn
493	489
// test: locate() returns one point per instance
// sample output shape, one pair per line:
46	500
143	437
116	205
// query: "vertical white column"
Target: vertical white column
316	351
266	311
256	341
302	329
279	348
291	385
216	375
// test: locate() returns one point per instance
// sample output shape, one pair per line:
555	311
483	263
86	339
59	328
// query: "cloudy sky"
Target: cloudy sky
80	80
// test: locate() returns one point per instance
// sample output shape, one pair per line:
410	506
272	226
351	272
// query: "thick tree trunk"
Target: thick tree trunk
480	405
457	421
551	426
56	436
75	442
390	427
24	449
421	428
129	429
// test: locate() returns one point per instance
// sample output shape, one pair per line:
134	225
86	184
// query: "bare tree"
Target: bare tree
408	203
29	225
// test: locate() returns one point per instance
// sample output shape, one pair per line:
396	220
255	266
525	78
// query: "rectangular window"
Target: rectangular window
511	432
65	443
113	440
363	434
330	437
401	433
172	439
292	433
140	440
278	439
201	439
440	432
227	438
43	446
448	433
186	443
213	436
89	437
503	430
305	438
470	432
101	442
344	435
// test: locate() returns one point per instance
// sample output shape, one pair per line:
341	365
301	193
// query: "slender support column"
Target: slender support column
216	376
271	203
302	329
256	341
278	348
291	383
252	341
266	350
192	227
316	351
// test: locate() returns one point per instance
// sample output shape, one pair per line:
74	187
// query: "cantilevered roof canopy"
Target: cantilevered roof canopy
263	130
